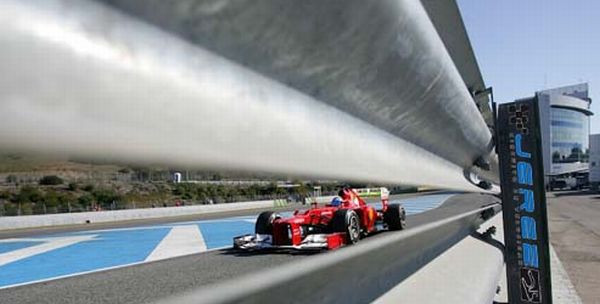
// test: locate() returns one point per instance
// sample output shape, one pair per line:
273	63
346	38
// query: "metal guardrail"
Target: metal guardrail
358	274
380	61
86	80
470	272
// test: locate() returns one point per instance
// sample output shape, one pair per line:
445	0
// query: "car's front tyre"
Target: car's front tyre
346	221
264	222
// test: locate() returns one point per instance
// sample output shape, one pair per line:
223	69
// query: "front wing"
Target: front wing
250	242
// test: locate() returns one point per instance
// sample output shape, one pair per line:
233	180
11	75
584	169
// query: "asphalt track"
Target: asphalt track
43	256
41	231
152	281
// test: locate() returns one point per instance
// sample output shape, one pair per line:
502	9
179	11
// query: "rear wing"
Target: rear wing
381	192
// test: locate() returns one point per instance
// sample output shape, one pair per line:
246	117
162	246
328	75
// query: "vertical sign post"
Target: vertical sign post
523	203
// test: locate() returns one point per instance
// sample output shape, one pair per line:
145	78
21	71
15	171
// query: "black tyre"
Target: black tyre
485	185
395	217
345	220
264	222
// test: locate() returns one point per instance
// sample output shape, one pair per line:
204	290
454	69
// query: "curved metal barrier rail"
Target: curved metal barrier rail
372	99
357	274
470	272
86	80
380	61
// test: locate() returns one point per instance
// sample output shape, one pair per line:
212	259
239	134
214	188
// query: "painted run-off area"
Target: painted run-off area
37	258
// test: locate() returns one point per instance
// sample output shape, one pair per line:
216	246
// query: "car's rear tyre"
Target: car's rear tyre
264	222
395	217
346	221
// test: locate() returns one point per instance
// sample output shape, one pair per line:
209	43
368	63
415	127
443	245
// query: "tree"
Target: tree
51	199
302	190
279	192
11	179
253	191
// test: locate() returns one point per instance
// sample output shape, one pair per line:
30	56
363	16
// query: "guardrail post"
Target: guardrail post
523	203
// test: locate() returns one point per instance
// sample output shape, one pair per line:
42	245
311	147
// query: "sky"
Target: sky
527	46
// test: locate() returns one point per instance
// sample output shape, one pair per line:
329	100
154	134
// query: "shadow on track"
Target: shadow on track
574	193
243	253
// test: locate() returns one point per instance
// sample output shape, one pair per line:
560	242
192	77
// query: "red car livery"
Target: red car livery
326	227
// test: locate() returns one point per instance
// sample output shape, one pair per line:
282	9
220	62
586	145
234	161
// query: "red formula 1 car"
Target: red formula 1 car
322	228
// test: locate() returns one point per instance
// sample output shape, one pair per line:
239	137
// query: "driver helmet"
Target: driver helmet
336	201
345	193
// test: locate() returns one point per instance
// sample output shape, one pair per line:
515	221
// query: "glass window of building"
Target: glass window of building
569	133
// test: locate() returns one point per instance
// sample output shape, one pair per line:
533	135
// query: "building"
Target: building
565	128
595	161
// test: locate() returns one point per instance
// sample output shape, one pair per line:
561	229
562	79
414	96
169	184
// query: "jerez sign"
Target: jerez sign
524	203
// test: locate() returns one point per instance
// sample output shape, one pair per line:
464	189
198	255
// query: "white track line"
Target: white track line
181	240
563	290
48	245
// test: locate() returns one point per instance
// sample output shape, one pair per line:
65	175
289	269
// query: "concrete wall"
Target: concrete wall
31	221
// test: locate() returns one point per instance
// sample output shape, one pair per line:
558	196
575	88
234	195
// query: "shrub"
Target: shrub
124	171
5	195
51	180
27	209
106	197
85	200
11	209
28	194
